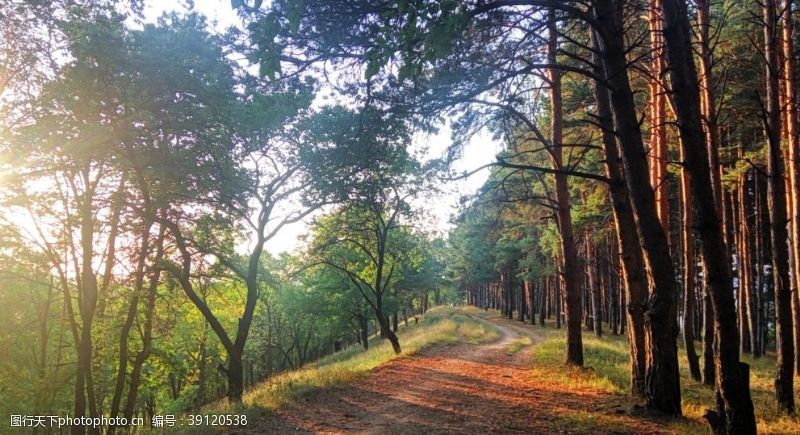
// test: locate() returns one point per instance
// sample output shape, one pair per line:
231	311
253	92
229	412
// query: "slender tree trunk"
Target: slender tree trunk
792	132
544	293
746	267
784	377
742	303
709	367
594	288
659	178
796	313
147	329
688	275
87	304
364	329
569	251
133	307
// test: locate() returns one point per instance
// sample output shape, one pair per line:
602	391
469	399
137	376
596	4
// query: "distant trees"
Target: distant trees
368	238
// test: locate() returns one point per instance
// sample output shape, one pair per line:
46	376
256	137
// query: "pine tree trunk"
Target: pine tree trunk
746	267
784	377
569	251
658	127
742	303
734	412
594	288
688	276
662	382
790	113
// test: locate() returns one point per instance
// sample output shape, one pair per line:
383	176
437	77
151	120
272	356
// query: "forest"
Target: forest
227	214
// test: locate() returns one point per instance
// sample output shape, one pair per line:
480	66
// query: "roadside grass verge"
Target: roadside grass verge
607	370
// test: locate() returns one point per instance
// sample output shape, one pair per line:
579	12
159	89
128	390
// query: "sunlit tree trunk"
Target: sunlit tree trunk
569	251
658	128
146	328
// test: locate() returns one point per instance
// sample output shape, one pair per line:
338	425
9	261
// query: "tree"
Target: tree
662	388
735	408
784	378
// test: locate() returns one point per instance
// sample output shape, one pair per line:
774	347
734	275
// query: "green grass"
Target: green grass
607	370
518	344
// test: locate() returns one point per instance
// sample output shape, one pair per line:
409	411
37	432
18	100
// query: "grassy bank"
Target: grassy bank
607	370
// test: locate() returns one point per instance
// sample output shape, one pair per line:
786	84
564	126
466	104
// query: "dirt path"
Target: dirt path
455	389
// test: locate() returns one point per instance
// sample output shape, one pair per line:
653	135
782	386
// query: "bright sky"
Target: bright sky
480	151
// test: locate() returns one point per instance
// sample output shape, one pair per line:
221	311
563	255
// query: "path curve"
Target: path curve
464	389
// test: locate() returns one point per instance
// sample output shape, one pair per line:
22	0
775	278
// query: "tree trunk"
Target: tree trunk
569	251
383	321
794	163
659	178
122	370
746	267
734	407
633	272
594	288
147	329
796	312
784	377
235	376
87	304
742	303
662	380
709	367
688	276
544	293
364	328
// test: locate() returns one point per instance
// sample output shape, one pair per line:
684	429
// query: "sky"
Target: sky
478	152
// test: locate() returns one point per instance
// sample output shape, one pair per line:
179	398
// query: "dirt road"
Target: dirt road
476	389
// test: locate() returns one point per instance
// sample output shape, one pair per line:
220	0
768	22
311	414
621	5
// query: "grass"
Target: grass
518	344
607	370
440	325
